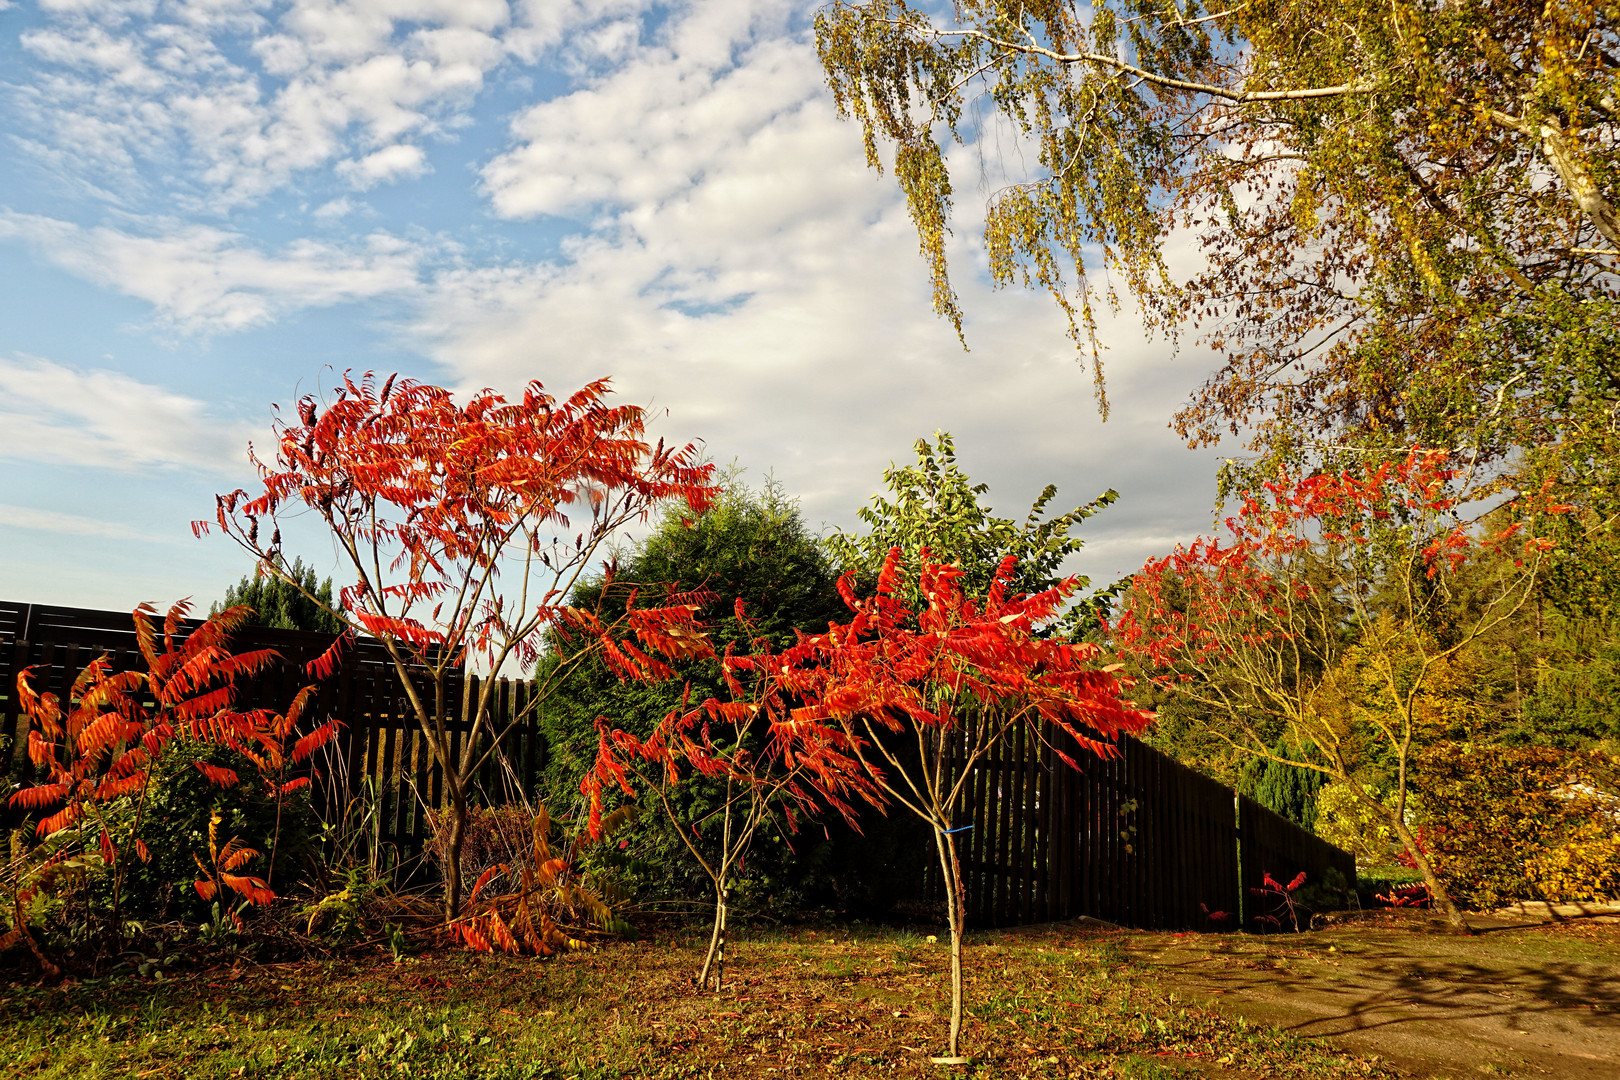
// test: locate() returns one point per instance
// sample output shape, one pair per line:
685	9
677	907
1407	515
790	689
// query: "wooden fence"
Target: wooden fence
1135	839
378	770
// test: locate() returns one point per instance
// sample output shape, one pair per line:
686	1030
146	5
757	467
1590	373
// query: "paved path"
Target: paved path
1519	999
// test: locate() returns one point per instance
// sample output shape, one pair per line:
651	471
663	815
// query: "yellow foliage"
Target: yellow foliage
1345	821
1506	823
1584	866
1388	681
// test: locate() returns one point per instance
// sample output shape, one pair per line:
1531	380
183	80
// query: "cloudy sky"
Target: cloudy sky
210	206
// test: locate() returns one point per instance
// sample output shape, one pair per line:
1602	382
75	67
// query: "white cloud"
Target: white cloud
745	270
658	125
94	50
334	210
226	101
25	517
203	279
541	26
735	261
104	419
396	162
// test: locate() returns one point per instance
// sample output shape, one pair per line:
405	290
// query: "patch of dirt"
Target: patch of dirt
1522	997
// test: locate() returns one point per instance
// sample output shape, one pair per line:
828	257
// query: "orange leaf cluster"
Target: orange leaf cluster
446	492
219	872
1210	598
900	668
102	743
796	765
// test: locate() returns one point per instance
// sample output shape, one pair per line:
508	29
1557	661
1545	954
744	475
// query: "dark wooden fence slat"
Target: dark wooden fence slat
1146	852
532	762
1100	844
1000	782
498	785
420	791
1134	758
1036	802
13	721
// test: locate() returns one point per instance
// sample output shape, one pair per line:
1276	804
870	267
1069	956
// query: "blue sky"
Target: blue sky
211	206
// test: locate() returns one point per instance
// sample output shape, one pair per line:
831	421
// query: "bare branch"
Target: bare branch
1241	97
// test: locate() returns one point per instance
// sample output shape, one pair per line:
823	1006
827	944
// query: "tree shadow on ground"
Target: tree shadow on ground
1539	995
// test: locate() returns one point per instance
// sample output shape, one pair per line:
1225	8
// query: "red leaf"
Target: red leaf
252	889
316	739
324	665
217	775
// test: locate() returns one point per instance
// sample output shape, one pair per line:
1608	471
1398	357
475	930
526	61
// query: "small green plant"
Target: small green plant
222	925
341	915
907	946
182	801
353	839
37	883
398	943
141	965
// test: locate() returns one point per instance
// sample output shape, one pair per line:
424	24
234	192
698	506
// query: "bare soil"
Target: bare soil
1528	997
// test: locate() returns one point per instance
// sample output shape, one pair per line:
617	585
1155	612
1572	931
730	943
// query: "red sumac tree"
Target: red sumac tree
465	528
776	766
953	678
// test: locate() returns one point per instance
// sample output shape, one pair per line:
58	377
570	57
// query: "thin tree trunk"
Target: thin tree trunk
458	833
275	838
715	959
955	905
720	950
1437	891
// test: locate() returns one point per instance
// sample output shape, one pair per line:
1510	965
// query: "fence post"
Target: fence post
1237	855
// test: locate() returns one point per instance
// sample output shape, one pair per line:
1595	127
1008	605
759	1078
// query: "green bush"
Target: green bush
1330	892
1281	788
751	546
174	826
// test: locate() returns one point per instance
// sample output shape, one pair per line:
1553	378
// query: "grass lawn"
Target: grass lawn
1053	1001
